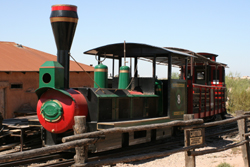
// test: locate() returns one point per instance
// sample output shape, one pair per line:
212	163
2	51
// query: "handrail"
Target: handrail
131	129
214	150
205	125
46	150
208	86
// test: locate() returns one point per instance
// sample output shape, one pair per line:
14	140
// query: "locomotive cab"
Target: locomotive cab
143	100
163	98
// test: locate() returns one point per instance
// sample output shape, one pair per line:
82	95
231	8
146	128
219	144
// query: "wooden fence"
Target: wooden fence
194	134
194	137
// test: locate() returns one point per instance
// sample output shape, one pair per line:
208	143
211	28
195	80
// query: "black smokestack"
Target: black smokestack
63	20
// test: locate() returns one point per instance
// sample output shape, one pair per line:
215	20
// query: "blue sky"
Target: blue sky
216	26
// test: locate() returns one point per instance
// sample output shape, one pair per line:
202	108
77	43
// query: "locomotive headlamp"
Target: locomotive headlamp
51	110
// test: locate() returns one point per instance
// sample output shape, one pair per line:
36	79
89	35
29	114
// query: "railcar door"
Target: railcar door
178	99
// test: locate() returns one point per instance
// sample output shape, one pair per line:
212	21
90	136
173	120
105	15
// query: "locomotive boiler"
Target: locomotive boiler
126	100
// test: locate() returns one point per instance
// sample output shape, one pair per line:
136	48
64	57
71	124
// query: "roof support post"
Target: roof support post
113	67
120	64
192	69
169	66
206	72
186	68
99	59
154	67
136	67
130	69
216	74
169	81
223	74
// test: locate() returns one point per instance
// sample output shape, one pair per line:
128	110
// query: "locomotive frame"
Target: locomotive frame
200	90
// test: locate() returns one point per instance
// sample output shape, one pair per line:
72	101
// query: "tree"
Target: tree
175	75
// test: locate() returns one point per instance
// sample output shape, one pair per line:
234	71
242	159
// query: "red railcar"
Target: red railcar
206	86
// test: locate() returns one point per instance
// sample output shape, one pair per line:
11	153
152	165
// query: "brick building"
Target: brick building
19	77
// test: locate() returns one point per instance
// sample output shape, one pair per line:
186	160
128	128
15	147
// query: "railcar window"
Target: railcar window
189	74
200	75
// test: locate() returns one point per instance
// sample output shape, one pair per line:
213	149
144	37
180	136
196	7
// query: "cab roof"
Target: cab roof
147	52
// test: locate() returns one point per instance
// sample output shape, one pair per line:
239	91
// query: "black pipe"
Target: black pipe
63	20
136	67
63	59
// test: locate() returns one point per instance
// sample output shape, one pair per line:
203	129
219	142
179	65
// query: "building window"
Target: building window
16	86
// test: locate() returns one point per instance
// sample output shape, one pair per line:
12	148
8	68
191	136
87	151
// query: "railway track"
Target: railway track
40	159
213	134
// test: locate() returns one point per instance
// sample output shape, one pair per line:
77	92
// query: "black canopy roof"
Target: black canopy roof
142	51
148	52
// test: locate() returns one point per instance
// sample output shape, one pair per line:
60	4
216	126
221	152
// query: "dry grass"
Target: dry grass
236	150
224	165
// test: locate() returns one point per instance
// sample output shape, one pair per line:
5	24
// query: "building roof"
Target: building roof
19	58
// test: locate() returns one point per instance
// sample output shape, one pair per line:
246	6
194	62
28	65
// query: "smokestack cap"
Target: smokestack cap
63	19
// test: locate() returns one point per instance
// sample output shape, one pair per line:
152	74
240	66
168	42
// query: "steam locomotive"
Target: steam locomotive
127	100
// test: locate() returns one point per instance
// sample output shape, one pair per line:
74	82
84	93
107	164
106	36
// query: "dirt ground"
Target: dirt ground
230	156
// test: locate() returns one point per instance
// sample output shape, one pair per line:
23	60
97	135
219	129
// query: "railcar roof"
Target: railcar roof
199	58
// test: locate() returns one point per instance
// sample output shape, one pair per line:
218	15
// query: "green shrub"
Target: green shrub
224	165
238	93
175	75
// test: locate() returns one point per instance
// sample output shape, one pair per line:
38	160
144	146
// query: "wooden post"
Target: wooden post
189	160
21	138
1	127
81	152
242	127
1	122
